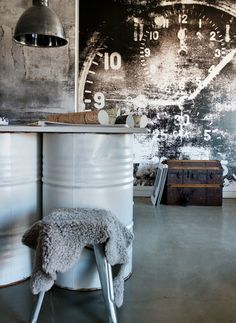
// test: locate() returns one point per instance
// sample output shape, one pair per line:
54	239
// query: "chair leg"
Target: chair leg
105	275
37	307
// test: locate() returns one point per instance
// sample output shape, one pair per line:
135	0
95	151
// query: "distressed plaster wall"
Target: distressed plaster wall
34	81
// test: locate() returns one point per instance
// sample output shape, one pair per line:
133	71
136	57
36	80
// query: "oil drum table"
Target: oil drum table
82	166
89	170
20	201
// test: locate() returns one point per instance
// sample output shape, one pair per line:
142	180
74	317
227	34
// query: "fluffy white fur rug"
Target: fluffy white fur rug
60	237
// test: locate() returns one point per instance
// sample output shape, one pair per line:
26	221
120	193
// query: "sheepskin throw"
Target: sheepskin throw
60	237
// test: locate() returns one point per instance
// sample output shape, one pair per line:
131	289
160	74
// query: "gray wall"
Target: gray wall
34	81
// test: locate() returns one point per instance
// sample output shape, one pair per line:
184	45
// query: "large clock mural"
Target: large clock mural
174	62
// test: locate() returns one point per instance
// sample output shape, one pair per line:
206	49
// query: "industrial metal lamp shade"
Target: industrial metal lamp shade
39	26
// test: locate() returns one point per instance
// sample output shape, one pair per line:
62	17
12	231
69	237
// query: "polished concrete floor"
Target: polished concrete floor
184	271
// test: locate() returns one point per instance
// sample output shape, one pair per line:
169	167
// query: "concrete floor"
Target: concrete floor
184	271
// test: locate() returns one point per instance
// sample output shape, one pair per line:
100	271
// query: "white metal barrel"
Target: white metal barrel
88	170
20	202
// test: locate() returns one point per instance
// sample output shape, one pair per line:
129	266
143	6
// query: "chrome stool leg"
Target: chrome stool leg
105	275
37	307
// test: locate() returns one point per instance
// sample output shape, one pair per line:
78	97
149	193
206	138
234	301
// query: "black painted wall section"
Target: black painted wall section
173	62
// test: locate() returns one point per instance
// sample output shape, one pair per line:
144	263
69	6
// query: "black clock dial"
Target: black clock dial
176	64
179	49
112	74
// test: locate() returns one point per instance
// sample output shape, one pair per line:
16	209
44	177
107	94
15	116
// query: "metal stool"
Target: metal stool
105	275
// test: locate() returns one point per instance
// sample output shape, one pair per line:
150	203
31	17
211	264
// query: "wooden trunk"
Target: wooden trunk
193	182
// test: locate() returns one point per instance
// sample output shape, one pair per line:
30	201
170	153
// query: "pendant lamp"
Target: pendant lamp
39	26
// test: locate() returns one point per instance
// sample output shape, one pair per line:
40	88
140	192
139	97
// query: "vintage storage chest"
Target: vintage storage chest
193	182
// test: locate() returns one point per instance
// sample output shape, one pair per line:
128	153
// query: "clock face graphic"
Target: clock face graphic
176	64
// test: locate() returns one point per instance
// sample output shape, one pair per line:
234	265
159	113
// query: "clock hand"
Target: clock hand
182	34
215	71
182	37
